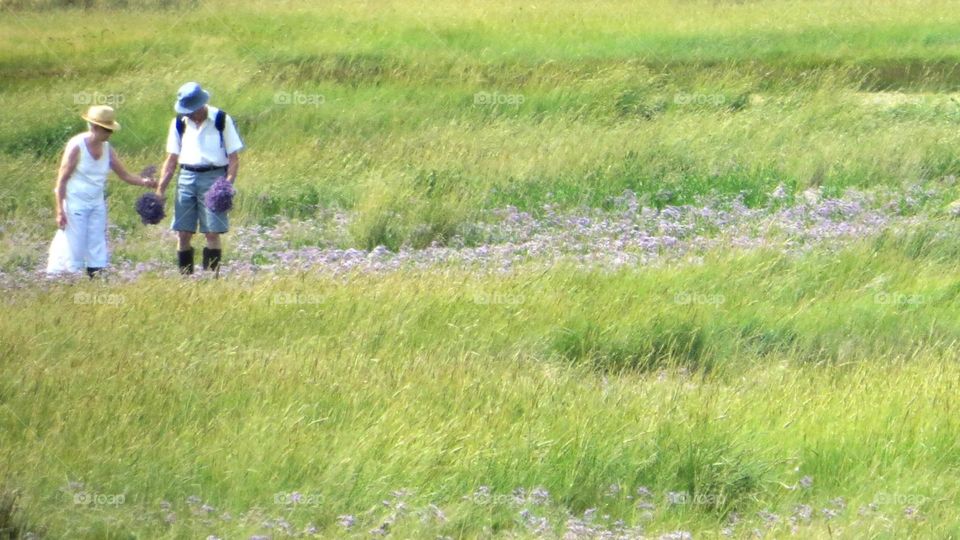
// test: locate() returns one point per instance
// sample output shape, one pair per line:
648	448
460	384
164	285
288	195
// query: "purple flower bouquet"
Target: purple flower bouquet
150	208
219	197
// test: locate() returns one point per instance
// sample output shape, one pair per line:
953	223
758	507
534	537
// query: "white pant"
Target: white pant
87	235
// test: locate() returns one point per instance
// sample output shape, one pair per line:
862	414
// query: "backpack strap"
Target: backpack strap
219	121
181	125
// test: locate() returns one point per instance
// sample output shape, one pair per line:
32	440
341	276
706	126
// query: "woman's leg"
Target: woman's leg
76	230
97	257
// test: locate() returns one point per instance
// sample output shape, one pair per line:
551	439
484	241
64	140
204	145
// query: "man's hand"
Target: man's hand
61	220
169	166
149	182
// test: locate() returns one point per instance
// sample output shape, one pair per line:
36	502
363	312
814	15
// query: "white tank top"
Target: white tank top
86	183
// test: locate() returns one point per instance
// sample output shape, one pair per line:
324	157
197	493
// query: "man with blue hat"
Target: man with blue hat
204	141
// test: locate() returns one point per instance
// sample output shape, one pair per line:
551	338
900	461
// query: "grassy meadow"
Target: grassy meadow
732	391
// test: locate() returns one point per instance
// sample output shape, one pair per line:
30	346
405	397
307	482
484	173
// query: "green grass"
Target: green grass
445	381
351	105
729	380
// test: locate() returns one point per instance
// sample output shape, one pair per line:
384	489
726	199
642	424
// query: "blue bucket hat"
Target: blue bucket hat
190	97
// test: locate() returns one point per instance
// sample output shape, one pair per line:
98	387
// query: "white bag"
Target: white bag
59	259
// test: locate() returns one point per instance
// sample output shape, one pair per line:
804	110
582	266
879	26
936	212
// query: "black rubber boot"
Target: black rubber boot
93	272
185	261
211	259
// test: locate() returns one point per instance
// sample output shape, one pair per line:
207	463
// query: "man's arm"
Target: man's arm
233	163
169	166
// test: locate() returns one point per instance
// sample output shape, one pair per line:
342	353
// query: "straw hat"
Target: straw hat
103	116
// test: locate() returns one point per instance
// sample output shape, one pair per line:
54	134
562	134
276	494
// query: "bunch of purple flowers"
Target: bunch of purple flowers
219	197
150	208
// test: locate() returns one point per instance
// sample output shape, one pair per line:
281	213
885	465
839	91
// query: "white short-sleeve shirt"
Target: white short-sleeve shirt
201	144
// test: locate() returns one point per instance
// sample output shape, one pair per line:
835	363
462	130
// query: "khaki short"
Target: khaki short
189	209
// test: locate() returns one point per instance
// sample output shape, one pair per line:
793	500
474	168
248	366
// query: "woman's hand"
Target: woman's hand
148	182
61	220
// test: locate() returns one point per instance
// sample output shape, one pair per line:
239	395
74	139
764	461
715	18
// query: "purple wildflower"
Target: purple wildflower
540	495
219	197
954	208
519	496
803	512
150	208
437	513
768	517
480	496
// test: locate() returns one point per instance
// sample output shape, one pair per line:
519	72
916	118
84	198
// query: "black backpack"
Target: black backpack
220	121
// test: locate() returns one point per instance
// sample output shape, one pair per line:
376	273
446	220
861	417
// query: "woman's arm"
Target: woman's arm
117	166
68	164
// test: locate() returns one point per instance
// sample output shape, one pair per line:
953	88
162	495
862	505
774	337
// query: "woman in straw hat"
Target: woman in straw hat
81	209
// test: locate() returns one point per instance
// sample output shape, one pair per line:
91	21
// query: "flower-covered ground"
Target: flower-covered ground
626	235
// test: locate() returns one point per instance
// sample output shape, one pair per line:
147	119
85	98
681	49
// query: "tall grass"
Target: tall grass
727	382
497	103
752	385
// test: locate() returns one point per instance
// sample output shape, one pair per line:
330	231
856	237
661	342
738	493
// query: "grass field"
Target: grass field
660	269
